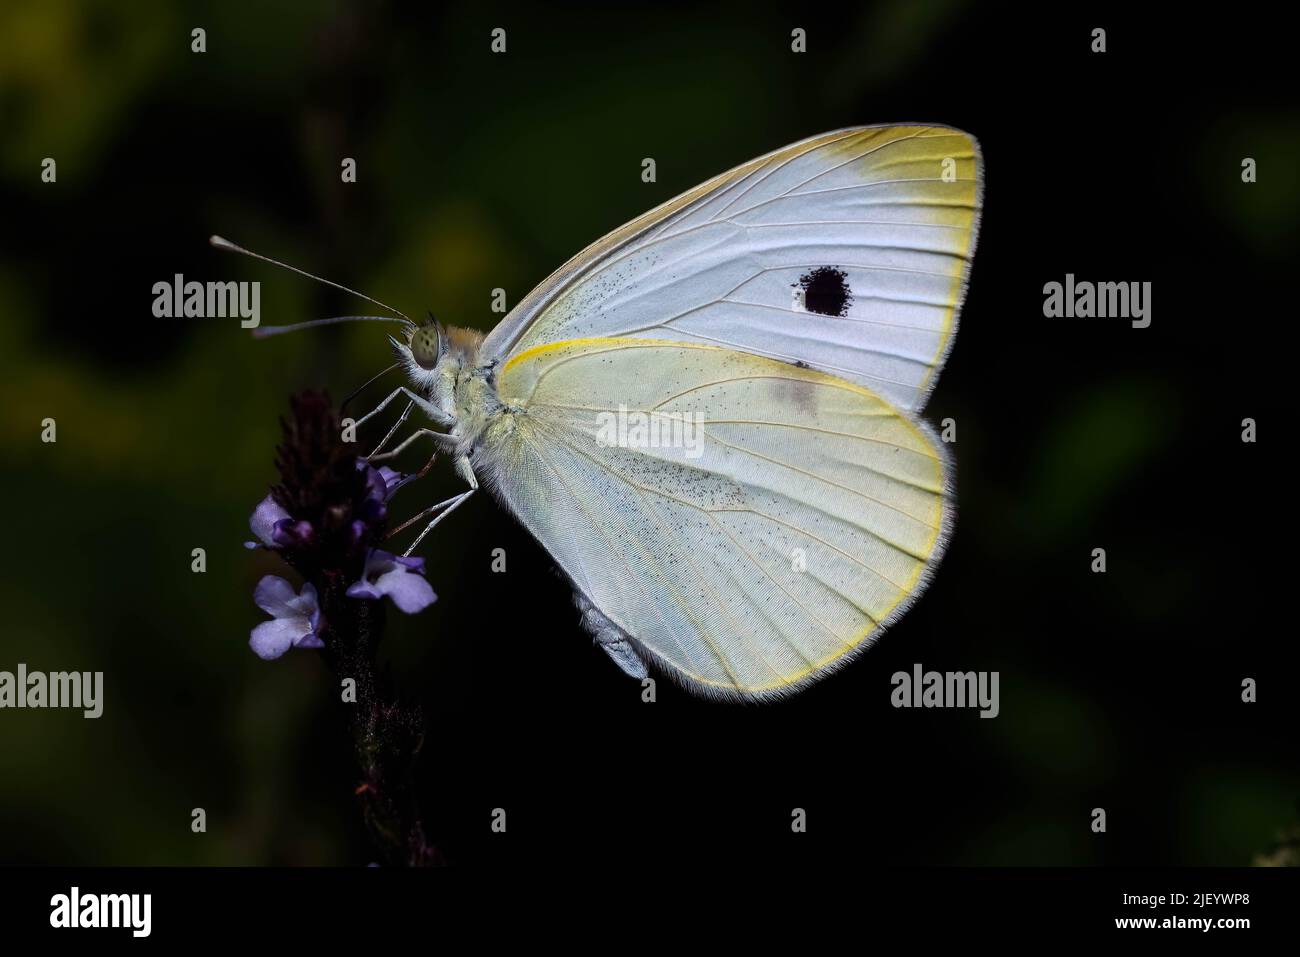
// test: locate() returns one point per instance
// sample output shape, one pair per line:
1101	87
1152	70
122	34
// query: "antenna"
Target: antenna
225	244
263	332
374	378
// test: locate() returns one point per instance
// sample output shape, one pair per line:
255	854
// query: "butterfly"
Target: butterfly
710	417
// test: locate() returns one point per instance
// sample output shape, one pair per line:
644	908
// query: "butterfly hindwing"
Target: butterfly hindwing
746	524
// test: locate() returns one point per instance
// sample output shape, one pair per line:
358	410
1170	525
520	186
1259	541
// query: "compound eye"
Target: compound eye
424	347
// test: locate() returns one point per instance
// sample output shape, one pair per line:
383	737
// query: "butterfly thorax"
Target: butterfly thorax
464	388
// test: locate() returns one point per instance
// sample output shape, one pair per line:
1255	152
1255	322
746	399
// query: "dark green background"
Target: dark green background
479	171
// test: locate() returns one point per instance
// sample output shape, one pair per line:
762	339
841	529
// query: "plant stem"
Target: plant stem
386	734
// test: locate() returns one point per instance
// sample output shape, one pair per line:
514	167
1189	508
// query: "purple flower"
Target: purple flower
295	618
265	517
400	578
381	483
275	527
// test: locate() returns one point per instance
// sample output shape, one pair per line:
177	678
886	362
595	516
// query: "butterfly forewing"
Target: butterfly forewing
848	252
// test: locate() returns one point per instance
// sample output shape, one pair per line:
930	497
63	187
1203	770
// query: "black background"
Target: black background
1119	691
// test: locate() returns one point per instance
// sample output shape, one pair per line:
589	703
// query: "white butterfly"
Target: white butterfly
771	335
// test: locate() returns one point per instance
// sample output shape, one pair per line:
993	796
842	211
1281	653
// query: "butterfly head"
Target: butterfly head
426	343
421	349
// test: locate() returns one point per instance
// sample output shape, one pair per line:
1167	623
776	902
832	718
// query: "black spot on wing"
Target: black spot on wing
826	291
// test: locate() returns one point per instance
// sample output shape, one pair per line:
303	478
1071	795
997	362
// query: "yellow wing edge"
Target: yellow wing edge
960	279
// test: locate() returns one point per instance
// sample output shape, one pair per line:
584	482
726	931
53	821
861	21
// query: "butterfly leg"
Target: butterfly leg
425	514
380	407
451	505
465	471
393	431
440	437
428	408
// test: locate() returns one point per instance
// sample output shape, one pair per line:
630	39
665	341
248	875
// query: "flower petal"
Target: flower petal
393	480
306	605
408	590
273	638
414	562
376	487
400	578
289	533
363	589
276	597
267	513
381	482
